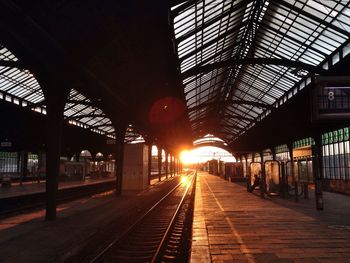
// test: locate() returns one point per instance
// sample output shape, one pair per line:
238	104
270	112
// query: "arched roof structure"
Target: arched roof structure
233	64
241	60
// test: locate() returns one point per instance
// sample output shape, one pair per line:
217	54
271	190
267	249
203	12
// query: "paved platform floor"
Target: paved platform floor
32	188
231	225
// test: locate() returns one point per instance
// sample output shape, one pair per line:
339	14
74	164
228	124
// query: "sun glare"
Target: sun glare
184	180
205	153
187	157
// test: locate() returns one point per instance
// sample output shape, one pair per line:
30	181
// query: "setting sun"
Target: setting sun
205	153
187	157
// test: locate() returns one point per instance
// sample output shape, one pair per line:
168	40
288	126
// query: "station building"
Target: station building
81	82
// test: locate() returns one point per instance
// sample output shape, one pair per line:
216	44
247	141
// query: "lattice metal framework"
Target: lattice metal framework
20	87
206	32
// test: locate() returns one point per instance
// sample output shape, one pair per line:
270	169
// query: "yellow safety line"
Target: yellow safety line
245	250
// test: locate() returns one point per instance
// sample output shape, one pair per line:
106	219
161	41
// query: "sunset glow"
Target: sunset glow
205	153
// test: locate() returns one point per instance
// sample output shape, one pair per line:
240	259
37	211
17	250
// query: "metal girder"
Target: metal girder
211	86
230	116
224	125
215	131
38	104
16	83
31	93
311	16
87	116
272	70
215	40
225	102
12	64
101	125
230	110
81	102
236	116
80	112
212	21
182	7
250	86
225	133
229	48
292	39
263	80
252	61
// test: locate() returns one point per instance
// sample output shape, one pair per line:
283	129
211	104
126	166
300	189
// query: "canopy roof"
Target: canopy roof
21	87
231	62
241	59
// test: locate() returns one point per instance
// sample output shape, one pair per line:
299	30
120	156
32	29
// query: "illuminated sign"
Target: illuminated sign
331	98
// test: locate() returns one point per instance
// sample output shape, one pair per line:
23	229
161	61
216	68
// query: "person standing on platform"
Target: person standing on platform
256	183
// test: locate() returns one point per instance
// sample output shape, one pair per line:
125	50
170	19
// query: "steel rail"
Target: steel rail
117	240
157	255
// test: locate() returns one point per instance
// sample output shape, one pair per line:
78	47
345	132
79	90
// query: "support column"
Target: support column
159	163
176	166
56	89
317	171
19	163
77	156
172	165
273	151
149	163
263	176
53	150
247	173
166	165
120	136
290	147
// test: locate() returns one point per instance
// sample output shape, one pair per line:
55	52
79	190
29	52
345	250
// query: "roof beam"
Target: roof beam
181	8
253	87
224	125
229	116
252	61
215	132
38	104
311	16
231	101
12	64
212	21
101	125
88	116
290	38
213	41
258	78
81	102
246	106
229	48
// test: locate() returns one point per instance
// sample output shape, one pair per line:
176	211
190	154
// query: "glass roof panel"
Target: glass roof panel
21	87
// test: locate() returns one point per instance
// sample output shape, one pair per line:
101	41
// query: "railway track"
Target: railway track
162	234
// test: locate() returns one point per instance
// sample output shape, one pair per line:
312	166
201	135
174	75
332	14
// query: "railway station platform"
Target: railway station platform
85	226
32	195
232	225
29	188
